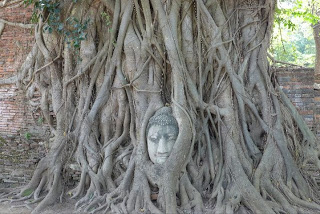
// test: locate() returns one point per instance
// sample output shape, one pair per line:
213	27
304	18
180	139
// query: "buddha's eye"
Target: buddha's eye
153	138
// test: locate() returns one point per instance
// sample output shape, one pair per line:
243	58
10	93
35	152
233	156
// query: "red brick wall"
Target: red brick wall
15	43
298	83
21	129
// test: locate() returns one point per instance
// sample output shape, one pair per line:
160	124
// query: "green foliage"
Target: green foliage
45	6
34	18
292	39
106	18
297	8
28	2
72	29
281	17
40	120
3	141
296	46
27	192
27	135
75	32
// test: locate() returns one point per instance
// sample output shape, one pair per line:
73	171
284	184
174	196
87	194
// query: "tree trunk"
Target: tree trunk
316	35
241	146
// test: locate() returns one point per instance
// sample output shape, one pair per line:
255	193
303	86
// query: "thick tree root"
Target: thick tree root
241	146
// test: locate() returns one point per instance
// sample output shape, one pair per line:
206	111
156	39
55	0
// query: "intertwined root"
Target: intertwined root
241	146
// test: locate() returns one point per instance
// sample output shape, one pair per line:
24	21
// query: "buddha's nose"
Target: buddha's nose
163	148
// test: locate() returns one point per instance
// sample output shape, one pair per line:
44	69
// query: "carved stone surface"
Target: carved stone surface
162	132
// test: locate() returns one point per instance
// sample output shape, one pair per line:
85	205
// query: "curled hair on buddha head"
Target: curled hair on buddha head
163	117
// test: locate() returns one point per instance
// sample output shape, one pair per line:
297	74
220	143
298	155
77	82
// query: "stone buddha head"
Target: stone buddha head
162	132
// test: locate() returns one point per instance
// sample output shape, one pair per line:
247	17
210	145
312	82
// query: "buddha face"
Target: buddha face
160	140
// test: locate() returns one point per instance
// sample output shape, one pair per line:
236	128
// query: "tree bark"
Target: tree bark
316	35
241	145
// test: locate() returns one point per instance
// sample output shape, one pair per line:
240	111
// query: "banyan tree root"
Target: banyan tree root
241	146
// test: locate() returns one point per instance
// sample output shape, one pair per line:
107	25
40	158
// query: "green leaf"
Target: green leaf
27	135
27	2
50	30
60	27
27	192
40	120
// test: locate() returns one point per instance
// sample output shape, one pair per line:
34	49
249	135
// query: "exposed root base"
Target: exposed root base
241	146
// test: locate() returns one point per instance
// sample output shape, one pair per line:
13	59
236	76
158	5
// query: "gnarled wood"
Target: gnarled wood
241	146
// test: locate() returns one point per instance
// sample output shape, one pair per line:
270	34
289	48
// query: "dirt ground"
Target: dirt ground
67	207
6	209
64	208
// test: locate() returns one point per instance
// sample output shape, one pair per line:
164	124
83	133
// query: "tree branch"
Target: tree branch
1	27
316	36
5	3
17	24
282	62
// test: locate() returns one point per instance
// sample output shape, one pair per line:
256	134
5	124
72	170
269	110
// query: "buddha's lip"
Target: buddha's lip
162	156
